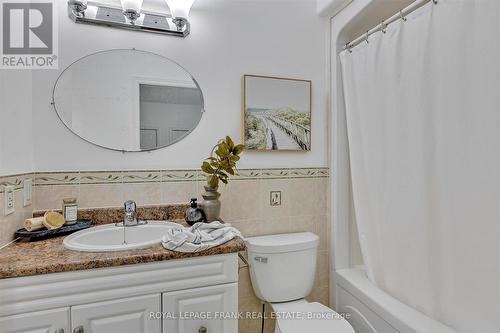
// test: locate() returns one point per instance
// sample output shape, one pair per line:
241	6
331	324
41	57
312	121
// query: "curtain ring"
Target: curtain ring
366	38
402	16
383	27
348	47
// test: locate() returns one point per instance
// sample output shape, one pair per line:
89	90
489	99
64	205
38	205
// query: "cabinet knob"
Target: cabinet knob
202	330
79	329
59	331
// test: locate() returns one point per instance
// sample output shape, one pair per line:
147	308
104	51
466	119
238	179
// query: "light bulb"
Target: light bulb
132	9
180	8
78	6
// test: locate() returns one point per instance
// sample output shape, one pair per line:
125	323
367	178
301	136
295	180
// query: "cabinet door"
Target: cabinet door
49	321
209	310
126	315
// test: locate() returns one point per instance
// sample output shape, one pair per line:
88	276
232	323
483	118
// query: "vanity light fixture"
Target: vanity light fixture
179	9
132	9
132	16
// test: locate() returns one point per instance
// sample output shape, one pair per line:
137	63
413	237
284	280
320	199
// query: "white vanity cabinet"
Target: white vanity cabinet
192	295
49	321
125	315
202	310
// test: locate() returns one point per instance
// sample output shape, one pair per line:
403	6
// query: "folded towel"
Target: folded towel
34	223
201	236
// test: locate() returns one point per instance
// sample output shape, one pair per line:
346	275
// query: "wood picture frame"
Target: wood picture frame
276	113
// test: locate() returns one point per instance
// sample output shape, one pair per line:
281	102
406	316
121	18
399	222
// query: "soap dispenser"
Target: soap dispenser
194	214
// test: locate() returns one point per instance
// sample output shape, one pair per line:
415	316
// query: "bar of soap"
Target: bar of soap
53	220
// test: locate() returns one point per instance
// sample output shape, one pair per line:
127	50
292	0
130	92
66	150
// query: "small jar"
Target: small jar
70	210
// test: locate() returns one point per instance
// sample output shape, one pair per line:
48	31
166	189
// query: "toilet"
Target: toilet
282	271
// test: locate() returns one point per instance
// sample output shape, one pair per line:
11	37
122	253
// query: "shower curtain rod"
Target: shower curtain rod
383	25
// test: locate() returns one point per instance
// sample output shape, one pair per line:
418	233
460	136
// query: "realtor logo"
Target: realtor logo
29	39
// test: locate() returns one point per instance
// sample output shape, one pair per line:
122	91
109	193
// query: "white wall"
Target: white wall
16	137
330	8
229	38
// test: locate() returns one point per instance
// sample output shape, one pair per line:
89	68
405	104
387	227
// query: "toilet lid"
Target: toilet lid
310	317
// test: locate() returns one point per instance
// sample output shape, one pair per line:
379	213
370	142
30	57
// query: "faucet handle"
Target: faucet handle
130	207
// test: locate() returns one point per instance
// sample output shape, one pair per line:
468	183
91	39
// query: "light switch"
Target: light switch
28	191
275	199
9	200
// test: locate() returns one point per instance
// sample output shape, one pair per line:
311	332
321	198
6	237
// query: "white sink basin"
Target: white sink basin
109	237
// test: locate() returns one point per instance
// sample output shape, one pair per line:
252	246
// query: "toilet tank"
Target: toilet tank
282	267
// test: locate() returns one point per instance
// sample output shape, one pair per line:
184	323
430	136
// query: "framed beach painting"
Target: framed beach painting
276	113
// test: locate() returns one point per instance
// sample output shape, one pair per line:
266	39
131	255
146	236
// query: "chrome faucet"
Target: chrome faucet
130	218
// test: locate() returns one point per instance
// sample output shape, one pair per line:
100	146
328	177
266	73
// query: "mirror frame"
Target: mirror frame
53	102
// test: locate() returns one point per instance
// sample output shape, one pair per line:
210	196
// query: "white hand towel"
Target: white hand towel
201	236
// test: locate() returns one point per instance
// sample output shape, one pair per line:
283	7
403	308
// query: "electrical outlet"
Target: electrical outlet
275	198
9	200
28	191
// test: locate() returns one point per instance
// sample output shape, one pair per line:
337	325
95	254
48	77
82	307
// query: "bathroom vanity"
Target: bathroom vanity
47	288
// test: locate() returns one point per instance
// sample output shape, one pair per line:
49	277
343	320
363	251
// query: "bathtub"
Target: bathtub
371	310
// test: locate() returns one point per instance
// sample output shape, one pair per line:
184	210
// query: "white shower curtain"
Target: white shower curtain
423	117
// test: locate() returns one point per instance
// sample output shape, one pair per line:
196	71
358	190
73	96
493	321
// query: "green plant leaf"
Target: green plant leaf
224	149
238	149
205	167
213	181
229	143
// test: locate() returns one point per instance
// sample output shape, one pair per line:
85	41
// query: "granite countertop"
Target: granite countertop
50	256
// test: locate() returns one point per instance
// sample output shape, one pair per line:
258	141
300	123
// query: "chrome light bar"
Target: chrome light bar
92	13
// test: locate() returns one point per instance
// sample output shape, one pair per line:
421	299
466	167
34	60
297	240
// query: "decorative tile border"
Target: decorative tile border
180	175
110	177
57	178
16	180
141	176
151	176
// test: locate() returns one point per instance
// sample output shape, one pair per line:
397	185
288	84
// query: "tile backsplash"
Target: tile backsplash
245	204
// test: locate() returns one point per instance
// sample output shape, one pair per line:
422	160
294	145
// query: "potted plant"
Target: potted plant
218	167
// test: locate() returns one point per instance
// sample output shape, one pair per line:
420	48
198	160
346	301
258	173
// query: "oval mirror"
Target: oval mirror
128	100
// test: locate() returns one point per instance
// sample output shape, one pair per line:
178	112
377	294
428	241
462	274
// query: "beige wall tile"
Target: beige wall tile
177	192
245	289
249	305
51	197
143	193
248	228
101	195
273	226
240	200
308	196
321	294
322	268
317	224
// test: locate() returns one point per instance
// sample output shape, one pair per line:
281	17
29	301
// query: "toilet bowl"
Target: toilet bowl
314	317
282	271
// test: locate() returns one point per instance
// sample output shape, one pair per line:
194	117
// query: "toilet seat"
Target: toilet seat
301	316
